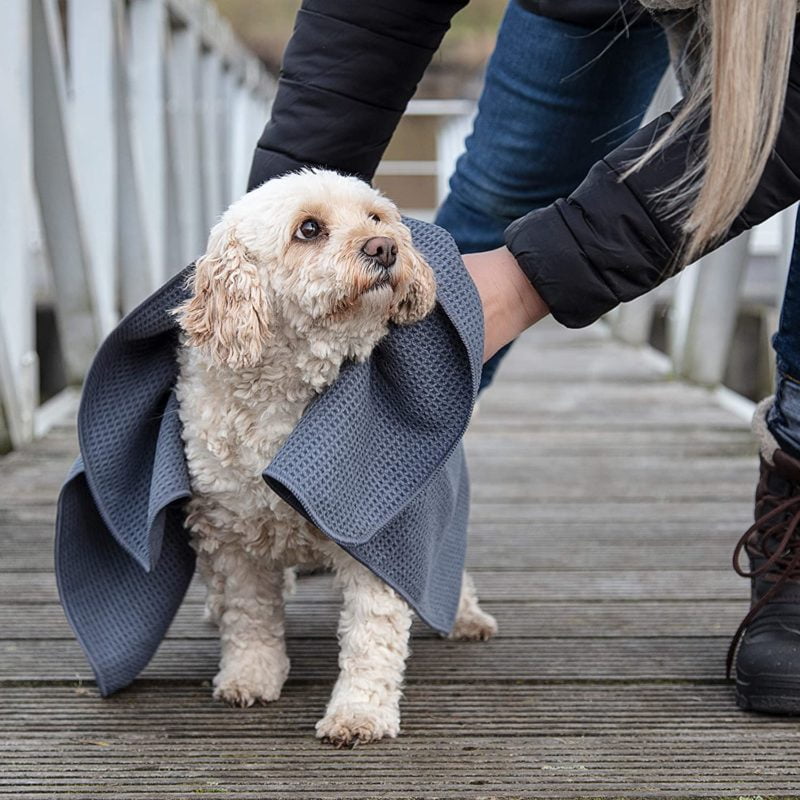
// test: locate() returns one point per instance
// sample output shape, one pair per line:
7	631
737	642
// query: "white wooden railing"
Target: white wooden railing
128	126
454	123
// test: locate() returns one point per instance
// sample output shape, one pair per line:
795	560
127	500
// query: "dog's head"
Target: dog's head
309	251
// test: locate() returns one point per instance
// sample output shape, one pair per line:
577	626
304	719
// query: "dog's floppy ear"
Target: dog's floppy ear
419	297
228	310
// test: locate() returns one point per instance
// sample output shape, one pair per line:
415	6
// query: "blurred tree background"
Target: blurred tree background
265	25
455	72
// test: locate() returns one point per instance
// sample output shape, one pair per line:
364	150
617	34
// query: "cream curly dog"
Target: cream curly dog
300	275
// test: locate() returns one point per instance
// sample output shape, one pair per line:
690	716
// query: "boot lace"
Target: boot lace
770	537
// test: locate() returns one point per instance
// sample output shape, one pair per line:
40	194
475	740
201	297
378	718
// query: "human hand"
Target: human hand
510	303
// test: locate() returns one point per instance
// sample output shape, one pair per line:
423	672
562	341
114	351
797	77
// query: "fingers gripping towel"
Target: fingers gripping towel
376	463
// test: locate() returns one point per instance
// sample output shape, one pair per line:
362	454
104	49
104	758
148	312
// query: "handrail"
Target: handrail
133	128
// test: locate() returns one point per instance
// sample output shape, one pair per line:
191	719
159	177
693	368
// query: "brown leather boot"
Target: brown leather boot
768	658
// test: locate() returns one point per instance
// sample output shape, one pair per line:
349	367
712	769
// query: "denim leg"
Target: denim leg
783	419
556	98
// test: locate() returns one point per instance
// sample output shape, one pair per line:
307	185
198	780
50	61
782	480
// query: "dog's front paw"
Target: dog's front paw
476	625
252	680
358	723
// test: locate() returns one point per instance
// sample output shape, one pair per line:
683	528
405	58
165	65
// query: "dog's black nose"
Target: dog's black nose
381	249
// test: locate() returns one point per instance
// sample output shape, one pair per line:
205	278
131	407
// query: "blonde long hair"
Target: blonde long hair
741	52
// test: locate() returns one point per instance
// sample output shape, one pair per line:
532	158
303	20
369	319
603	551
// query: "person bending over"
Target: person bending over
562	206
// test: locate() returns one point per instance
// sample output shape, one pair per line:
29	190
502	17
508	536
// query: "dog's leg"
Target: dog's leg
254	664
472	622
373	638
215	587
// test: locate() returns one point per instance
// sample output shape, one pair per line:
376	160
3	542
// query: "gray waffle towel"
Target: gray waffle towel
376	463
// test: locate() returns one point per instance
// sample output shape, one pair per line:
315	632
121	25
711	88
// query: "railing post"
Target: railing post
241	135
18	361
705	310
229	84
184	140
138	275
147	105
633	321
212	120
92	45
450	141
62	226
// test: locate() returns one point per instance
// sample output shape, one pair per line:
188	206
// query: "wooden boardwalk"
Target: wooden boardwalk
607	500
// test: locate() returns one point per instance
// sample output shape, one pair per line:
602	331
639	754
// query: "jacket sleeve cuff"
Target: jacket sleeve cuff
605	243
546	251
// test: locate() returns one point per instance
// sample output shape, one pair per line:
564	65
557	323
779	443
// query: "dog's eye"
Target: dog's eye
308	229
375	217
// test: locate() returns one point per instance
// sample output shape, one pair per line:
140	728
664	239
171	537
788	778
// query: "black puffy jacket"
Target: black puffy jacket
351	67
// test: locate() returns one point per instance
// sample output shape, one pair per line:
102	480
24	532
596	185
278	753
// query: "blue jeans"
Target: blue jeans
784	417
556	99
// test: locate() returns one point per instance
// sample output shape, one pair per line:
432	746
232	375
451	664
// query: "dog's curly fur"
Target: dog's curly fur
272	316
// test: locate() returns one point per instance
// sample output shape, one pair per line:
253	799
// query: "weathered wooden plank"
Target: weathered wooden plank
28	546
620	406
551	480
517	619
34	525
508	546
509	454
723	584
609	444
573	515
433	660
548	440
374	789
524	783
716	470
35	515
591	362
589	510
187	712
36	533
551	767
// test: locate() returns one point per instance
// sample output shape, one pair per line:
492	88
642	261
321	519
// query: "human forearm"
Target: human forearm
510	303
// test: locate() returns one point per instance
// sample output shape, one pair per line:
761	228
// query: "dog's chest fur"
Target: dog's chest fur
233	425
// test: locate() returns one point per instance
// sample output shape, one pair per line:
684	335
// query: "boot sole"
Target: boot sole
768	695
